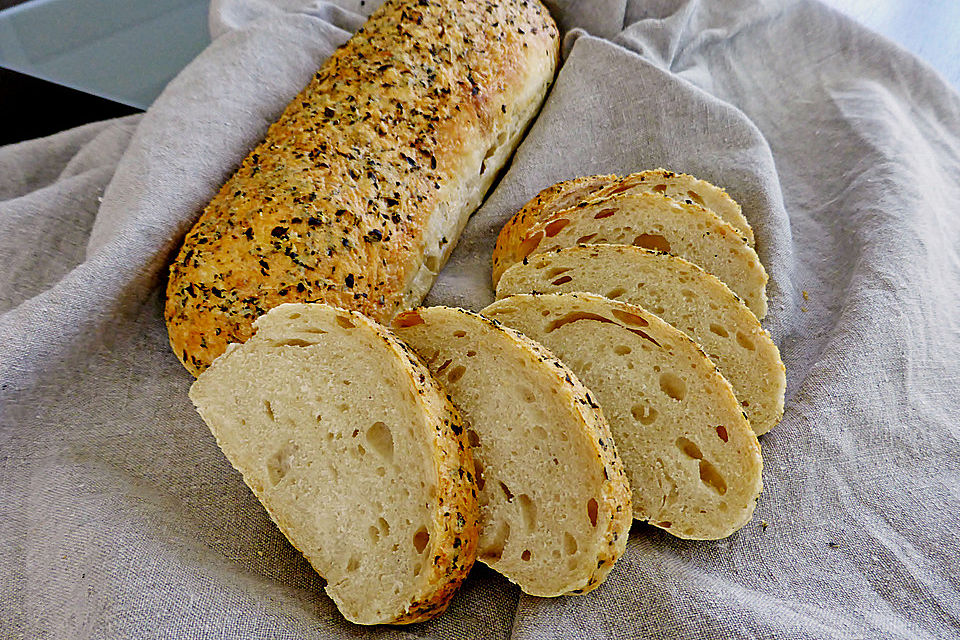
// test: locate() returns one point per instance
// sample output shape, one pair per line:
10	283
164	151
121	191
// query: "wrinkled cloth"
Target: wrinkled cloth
120	518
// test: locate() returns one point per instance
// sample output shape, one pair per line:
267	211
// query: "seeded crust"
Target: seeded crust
681	293
677	186
573	512
293	346
359	191
692	459
654	221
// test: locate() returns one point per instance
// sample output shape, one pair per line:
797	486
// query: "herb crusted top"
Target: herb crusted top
334	204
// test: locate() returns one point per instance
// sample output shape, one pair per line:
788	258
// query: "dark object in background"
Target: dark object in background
32	108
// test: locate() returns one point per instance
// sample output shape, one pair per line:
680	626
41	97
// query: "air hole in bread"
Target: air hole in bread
472	438
660	188
293	342
374	534
380	440
545	313
456	373
384	526
417	568
693	195
294	316
312	330
555	227
673	385
526	555
421	539
471	353
613	294
381	471
556	271
540	433
629	318
687	294
443	366
604	213
666	524
459	333
689	448
529	244
280	463
494	550
345	322
529	510
653	241
343	407
711	477
506	492
622	350
268	410
361	450
353	564
346	383
722	432
569	543
408	319
592	509
717	329
587	238
562	280
478	474
643	414
744	341
529	396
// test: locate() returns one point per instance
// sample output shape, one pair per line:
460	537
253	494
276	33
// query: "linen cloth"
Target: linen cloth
120	518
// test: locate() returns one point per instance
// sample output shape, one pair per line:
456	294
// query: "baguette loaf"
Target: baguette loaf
681	293
693	461
653	221
554	499
359	191
563	195
355	452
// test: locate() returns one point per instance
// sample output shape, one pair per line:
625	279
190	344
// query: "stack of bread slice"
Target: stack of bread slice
622	373
648	287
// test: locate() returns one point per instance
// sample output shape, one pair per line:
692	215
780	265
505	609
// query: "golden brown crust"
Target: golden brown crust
369	159
455	549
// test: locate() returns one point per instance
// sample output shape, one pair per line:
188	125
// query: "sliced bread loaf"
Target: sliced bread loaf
693	461
554	500
356	453
563	195
679	292
654	221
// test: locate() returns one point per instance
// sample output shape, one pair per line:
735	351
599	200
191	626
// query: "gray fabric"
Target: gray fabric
119	517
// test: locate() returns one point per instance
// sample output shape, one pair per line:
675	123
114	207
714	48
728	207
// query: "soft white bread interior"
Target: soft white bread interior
681	293
654	221
693	462
554	500
356	453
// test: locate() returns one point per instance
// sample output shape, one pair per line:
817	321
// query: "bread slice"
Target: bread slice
554	500
563	195
679	292
654	221
356	453
693	461
682	187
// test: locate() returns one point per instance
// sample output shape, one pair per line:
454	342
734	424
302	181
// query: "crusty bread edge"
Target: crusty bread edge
455	521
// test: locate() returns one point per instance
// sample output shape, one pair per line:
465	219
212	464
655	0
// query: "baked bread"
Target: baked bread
693	461
563	195
653	221
554	499
679	292
359	191
355	452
